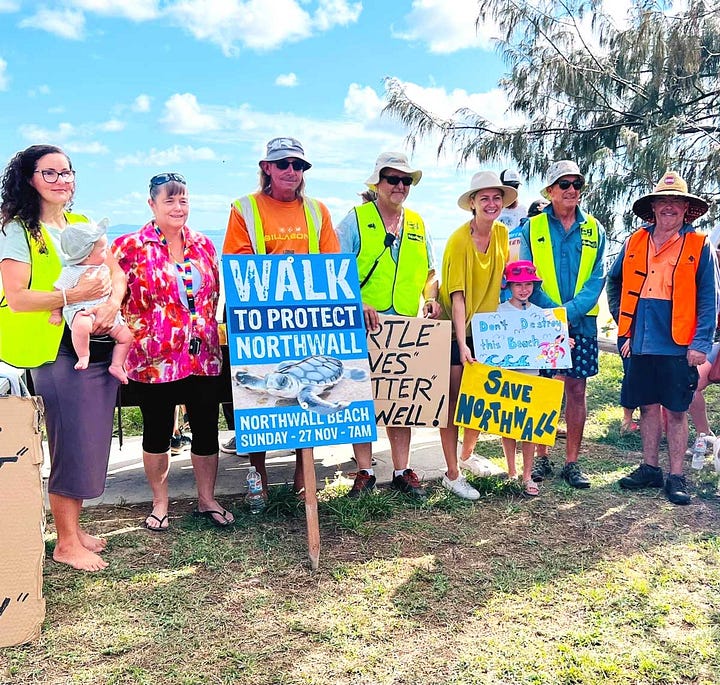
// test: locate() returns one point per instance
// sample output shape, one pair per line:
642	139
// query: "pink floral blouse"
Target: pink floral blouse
161	323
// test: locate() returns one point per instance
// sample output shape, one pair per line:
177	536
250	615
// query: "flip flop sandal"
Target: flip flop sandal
209	515
159	528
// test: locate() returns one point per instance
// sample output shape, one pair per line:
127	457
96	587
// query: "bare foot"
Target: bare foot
92	543
82	363
79	558
119	373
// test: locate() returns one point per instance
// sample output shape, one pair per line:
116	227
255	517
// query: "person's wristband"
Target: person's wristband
429	299
64	292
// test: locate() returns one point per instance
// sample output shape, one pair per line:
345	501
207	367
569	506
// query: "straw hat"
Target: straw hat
483	180
393	160
670	185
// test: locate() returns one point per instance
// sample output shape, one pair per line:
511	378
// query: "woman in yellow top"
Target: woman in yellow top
473	263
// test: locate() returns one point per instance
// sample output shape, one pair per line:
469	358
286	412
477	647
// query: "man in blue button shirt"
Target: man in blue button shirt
568	248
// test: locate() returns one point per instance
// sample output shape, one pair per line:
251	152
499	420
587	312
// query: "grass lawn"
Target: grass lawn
573	587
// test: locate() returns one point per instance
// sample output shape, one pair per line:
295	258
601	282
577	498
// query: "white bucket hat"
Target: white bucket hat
564	167
77	240
396	161
483	180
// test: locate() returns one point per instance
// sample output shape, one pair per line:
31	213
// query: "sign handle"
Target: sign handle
311	507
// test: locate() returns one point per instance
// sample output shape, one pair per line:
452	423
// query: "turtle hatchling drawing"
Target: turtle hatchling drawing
305	381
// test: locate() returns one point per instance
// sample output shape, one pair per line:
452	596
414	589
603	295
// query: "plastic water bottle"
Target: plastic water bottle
254	496
698	452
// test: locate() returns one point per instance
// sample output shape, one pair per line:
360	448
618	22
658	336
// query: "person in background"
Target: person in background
567	246
536	206
37	192
473	264
662	293
170	305
513	215
396	266
280	219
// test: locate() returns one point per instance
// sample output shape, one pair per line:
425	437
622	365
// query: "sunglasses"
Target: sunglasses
564	184
520	270
394	180
297	164
161	179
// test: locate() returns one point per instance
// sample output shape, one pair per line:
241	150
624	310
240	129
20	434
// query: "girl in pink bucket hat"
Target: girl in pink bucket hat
519	278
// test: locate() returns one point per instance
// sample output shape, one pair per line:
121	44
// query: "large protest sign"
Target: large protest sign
410	367
298	352
518	339
509	403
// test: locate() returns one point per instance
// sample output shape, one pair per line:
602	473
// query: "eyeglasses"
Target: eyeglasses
394	180
519	270
51	176
161	179
564	184
297	164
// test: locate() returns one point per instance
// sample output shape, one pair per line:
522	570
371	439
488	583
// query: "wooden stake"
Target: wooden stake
311	508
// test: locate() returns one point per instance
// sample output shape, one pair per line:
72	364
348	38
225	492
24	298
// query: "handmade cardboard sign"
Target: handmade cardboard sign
22	607
298	353
410	371
509	403
517	339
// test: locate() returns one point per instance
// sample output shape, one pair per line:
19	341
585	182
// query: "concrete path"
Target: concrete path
126	480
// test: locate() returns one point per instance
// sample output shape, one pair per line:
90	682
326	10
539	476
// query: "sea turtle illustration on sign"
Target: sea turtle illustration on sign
304	380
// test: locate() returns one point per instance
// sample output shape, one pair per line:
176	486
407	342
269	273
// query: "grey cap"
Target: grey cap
282	148
77	240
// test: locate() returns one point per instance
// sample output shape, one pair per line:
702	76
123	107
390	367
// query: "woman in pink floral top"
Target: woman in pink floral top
170	305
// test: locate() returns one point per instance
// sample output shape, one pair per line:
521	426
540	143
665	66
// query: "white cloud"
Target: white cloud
9	6
135	10
4	79
336	13
170	156
71	138
258	24
362	103
287	80
42	89
183	115
112	126
446	28
141	103
65	23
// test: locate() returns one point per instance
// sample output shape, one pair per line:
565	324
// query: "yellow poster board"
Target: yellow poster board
508	403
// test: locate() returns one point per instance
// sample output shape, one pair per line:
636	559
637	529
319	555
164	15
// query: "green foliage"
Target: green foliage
625	97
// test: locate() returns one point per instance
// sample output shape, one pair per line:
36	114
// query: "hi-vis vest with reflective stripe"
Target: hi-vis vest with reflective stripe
27	339
543	259
248	208
684	289
397	286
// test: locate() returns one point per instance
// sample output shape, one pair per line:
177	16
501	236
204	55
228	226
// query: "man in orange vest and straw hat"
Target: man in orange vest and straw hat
567	246
661	292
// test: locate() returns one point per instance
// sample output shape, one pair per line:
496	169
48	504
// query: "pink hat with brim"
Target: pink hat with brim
521	271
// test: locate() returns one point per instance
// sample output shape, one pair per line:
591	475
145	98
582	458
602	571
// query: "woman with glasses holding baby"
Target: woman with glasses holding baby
170	305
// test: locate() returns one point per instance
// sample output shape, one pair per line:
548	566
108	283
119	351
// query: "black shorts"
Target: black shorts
157	403
584	358
455	351
659	379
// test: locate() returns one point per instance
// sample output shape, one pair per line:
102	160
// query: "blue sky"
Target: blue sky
130	88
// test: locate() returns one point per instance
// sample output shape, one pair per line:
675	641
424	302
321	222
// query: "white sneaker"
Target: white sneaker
460	487
481	467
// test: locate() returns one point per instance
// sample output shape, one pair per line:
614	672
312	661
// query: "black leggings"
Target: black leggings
157	403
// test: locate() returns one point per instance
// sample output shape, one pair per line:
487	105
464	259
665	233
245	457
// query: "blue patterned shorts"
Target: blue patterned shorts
584	359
